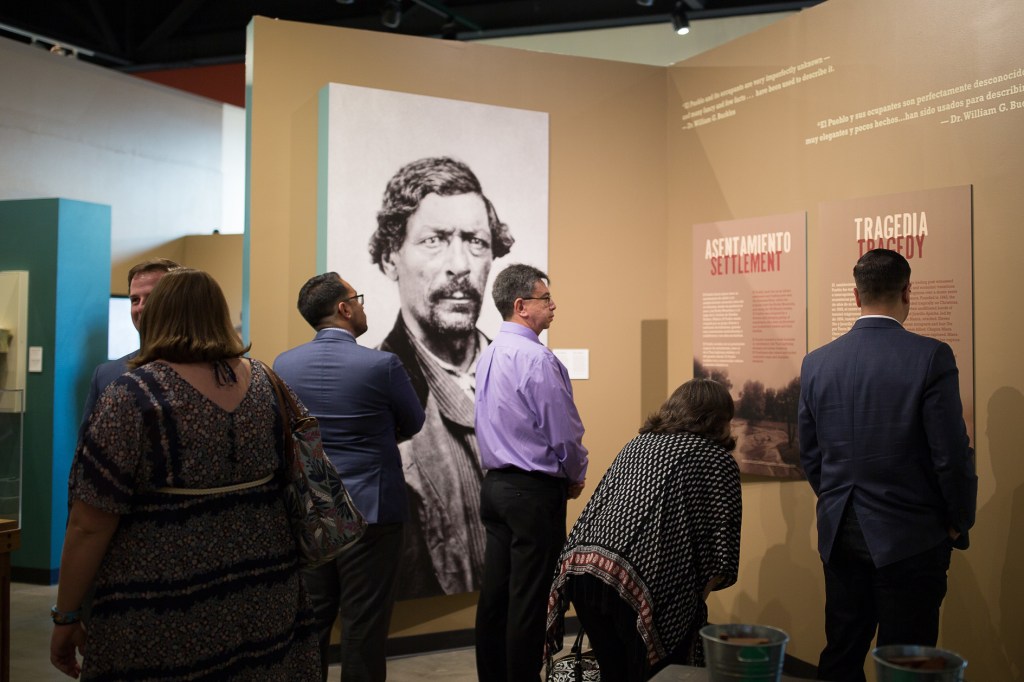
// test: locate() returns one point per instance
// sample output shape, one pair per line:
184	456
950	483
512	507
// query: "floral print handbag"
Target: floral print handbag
323	517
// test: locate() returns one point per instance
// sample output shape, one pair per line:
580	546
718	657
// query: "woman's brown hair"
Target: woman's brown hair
700	406
186	319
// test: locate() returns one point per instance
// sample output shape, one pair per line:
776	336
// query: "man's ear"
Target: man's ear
518	307
387	264
856	296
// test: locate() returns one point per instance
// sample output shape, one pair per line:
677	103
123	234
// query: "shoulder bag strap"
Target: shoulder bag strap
287	410
577	652
285	402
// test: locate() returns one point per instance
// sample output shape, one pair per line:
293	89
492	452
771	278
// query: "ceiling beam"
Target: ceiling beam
178	16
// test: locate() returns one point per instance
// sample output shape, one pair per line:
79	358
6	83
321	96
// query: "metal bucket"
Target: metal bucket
728	661
889	668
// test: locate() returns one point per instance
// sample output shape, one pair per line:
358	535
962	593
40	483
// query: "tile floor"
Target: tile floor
30	647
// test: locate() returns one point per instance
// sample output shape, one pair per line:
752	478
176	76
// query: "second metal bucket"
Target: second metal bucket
907	663
752	653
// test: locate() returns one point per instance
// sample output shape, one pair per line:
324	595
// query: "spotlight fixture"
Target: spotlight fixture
645	3
680	22
450	30
391	13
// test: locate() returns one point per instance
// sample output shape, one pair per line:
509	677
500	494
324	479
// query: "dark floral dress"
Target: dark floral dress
192	587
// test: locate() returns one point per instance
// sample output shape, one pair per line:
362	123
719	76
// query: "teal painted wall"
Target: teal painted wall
65	246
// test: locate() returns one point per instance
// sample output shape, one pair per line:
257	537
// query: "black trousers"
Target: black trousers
361	585
610	624
901	601
524	517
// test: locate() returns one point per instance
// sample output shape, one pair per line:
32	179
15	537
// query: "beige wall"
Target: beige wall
757	163
218	254
607	205
626	185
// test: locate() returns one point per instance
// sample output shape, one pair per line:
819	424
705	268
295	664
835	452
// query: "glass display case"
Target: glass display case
12	408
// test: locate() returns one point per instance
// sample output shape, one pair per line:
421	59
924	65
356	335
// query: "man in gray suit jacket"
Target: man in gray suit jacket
885	447
141	280
365	404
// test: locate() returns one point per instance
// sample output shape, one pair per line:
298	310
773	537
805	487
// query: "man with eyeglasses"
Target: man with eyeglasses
365	404
530	437
437	237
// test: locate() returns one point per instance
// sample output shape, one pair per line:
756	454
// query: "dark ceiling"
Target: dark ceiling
138	35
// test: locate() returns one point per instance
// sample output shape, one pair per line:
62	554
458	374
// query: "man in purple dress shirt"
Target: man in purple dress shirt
530	439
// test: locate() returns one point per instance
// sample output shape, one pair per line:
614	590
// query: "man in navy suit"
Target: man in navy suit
365	404
141	280
885	447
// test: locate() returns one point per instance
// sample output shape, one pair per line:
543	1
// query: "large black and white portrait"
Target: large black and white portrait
423	200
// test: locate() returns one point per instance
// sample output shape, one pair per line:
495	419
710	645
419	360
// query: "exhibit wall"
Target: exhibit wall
859	99
641	154
607	205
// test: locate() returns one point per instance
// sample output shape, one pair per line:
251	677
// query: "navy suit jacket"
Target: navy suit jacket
103	376
881	427
365	404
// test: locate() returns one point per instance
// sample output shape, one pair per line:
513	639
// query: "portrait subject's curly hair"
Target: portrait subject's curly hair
440	175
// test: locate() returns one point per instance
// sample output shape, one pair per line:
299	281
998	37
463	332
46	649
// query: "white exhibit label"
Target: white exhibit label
576	360
35	358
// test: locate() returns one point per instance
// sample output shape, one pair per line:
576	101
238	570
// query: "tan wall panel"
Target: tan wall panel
221	256
653	367
174	250
621	197
757	163
607	204
218	254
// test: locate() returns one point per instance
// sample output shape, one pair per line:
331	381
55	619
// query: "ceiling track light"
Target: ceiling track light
391	13
450	30
680	22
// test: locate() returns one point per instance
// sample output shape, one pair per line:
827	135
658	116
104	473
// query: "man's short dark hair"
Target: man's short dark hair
152	265
443	176
319	296
515	281
880	276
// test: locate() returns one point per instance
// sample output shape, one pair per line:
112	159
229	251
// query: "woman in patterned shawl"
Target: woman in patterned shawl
661	531
177	520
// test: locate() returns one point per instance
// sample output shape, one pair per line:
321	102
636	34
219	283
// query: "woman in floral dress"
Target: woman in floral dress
177	519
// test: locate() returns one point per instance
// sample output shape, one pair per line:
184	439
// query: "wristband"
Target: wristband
63	617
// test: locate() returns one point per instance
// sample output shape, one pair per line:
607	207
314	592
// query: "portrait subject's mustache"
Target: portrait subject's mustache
458	289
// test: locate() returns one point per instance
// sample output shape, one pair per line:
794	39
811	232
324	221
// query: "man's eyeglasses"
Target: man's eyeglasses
357	297
546	298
